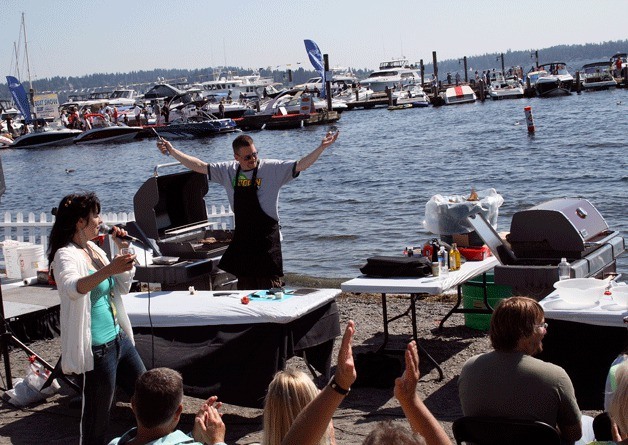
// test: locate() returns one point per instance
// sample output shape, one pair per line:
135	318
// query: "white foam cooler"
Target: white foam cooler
31	259
12	257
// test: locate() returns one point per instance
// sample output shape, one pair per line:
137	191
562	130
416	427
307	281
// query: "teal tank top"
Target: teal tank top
104	325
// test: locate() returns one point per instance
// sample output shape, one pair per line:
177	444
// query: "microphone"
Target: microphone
104	228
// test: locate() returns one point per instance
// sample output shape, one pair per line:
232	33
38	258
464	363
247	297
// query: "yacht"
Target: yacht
122	97
556	82
597	76
392	74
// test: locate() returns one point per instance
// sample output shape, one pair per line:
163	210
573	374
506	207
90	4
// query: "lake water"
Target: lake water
366	195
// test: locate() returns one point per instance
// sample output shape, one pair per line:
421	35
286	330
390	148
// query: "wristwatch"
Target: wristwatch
340	390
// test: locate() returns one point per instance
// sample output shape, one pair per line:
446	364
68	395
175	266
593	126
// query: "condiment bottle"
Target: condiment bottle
564	269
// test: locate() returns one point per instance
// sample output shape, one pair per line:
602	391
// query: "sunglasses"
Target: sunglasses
249	157
541	326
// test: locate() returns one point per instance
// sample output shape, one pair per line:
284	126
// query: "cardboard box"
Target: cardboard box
471	239
475	253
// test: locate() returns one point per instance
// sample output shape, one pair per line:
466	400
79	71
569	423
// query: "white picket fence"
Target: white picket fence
36	228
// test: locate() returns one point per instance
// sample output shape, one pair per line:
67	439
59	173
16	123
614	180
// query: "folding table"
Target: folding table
416	287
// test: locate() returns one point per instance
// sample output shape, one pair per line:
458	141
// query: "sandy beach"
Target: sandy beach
56	420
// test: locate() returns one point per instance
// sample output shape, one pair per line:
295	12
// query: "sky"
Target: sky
75	38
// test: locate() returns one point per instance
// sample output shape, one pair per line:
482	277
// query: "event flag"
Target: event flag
20	98
316	57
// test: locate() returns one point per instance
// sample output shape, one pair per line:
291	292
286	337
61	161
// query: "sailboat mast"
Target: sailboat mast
28	66
17	60
28	69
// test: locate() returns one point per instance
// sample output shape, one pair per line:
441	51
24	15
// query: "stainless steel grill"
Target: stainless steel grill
171	217
540	236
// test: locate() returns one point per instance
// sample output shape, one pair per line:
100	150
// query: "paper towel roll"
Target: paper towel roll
30	280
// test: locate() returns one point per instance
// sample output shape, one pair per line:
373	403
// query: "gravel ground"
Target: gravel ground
56	420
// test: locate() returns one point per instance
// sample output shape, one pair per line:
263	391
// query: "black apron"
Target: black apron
255	250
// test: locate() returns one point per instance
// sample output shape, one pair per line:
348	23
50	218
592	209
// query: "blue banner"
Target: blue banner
316	57
20	98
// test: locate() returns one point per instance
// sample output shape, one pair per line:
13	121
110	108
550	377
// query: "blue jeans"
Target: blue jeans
116	362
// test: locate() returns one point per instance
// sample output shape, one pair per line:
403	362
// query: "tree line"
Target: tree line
573	55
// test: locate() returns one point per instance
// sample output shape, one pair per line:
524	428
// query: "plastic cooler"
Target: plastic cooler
473	298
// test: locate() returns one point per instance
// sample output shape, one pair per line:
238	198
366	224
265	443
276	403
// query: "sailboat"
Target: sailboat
42	134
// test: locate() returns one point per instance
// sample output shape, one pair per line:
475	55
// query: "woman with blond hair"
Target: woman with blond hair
289	392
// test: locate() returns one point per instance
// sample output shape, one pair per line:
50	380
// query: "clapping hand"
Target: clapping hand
405	386
208	425
345	370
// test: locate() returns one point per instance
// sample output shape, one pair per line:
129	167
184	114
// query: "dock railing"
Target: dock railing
35	229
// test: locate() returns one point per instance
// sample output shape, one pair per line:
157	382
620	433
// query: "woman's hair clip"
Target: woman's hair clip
67	203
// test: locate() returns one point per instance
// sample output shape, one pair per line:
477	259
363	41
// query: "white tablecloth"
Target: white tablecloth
425	285
180	308
603	313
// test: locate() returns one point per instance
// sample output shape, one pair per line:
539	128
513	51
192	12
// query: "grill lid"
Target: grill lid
567	227
164	204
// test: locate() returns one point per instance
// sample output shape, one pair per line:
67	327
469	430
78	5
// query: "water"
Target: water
366	195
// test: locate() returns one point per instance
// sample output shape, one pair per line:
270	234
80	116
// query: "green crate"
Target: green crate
473	298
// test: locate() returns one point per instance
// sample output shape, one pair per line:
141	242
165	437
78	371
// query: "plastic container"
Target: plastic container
473	298
31	260
619	294
12	258
581	290
564	269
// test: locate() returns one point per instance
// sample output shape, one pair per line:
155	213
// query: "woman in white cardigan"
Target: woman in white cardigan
96	336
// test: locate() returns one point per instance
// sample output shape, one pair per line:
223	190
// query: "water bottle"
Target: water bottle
442	262
564	269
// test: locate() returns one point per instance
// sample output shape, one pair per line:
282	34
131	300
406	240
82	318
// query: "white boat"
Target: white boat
413	95
291	102
392	74
342	79
597	76
556	82
355	94
103	131
505	87
227	85
458	95
122	97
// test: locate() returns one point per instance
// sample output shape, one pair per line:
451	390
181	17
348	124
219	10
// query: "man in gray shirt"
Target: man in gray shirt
509	382
252	186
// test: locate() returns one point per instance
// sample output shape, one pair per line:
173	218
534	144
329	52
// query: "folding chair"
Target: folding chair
501	431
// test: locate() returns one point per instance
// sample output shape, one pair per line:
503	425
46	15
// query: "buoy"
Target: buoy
529	119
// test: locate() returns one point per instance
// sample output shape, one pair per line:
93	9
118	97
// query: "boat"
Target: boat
412	95
392	74
597	76
507	87
45	136
201	124
556	82
458	95
103	131
122	97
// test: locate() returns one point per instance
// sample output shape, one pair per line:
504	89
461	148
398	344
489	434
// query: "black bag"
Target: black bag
397	266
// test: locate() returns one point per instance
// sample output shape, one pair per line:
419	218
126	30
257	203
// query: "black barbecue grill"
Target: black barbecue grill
539	237
171	218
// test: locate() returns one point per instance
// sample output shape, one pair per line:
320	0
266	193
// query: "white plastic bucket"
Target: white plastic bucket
12	258
31	260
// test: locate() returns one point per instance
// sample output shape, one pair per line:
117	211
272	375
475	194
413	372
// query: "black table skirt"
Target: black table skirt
586	352
237	362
